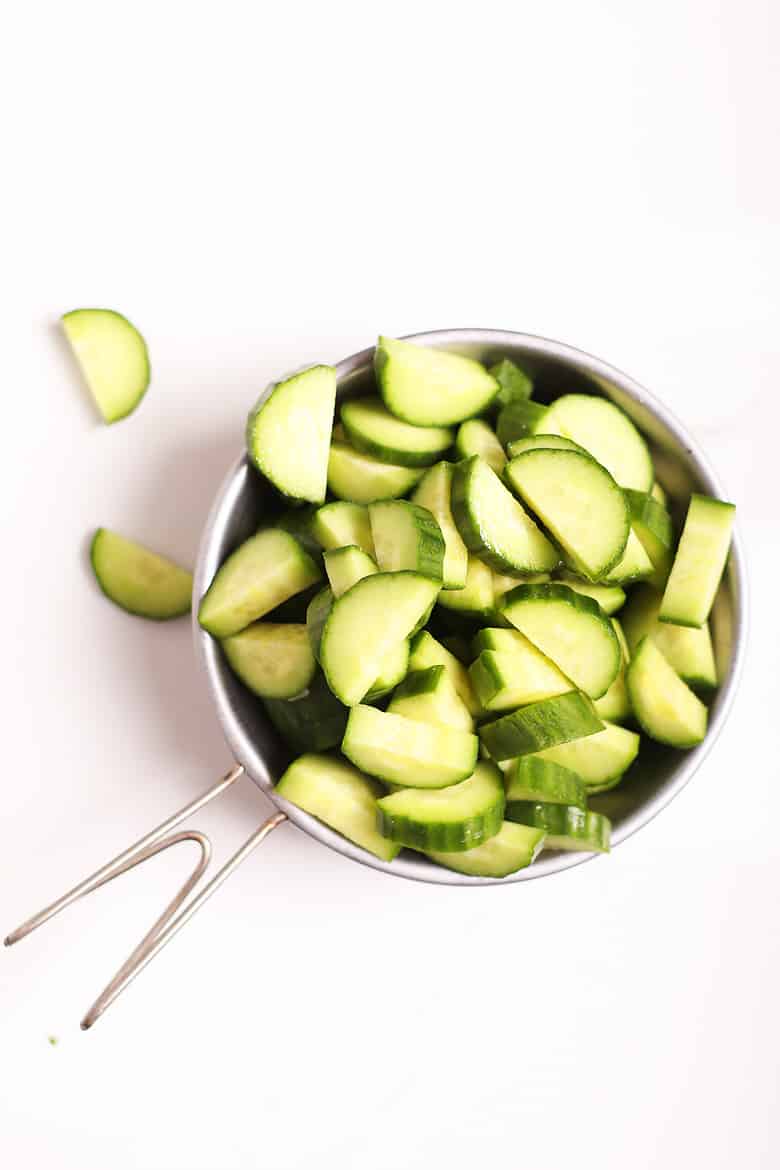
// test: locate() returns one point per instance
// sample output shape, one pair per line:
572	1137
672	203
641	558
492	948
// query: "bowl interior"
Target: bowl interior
245	501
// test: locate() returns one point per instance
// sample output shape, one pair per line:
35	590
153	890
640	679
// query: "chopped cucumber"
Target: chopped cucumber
339	795
298	522
406	751
535	779
634	565
688	650
342	523
513	847
475	437
699	563
599	760
345	566
543	442
434	492
362	479
476	598
569	628
311	722
503	681
373	429
615	704
507	641
566	826
426	651
113	358
653	526
666	708
503	583
606	433
317	613
138	580
262	573
494	525
430	697
579	502
394	668
658	493
368	622
406	536
288	433
540	725
514	384
275	661
452	819
431	387
517	419
611	598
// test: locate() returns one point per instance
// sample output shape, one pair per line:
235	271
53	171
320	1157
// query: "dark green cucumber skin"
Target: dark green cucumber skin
561	820
388	454
312	723
419	682
317	613
517	419
442	837
472	535
540	725
554	591
514	384
430	556
645	509
532	779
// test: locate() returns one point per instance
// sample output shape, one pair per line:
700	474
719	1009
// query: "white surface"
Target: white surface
261	186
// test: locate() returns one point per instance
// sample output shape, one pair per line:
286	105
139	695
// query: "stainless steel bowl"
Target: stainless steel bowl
660	773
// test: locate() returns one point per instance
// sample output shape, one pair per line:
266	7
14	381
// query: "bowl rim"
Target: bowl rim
412	867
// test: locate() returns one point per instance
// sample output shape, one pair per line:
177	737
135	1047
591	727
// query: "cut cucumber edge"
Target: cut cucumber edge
137	580
113	359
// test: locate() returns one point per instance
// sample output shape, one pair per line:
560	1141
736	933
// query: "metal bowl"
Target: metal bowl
660	773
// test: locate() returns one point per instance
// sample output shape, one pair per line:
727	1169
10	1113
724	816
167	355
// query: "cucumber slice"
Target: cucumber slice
540	725
493	524
475	437
430	697
406	536
138	580
395	662
599	760
579	502
566	826
571	629
394	669
518	419
113	358
506	641
532	778
658	493
288	433
615	704
361	479
687	650
503	584
699	563
342	523
406	751
652	524
345	566
503	681
666	708
365	624
274	661
452	819
426	651
373	429
476	598
514	384
311	722
339	795
543	443
611	598
606	432
430	387
262	573
434	492
513	847
634	565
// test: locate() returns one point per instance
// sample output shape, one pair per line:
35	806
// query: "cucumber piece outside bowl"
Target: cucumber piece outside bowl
243	502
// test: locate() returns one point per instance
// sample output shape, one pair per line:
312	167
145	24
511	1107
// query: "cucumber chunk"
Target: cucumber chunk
503	584
395	661
362	479
406	751
569	628
366	623
262	573
476	598
138	580
506	641
394	668
113	359
288	433
514	384
334	792
475	437
666	708
274	661
687	650
426	651
504	680
345	566
566	826
373	429
615	704
494	525
699	563
317	613
543	443
430	387
406	536
634	565
611	598
658	493
513	847
653	526
342	523
532	778
599	760
451	819
517	419
311	722
540	725
434	492
579	502
430	697
606	433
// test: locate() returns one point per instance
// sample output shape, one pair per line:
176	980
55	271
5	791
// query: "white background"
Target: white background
258	186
